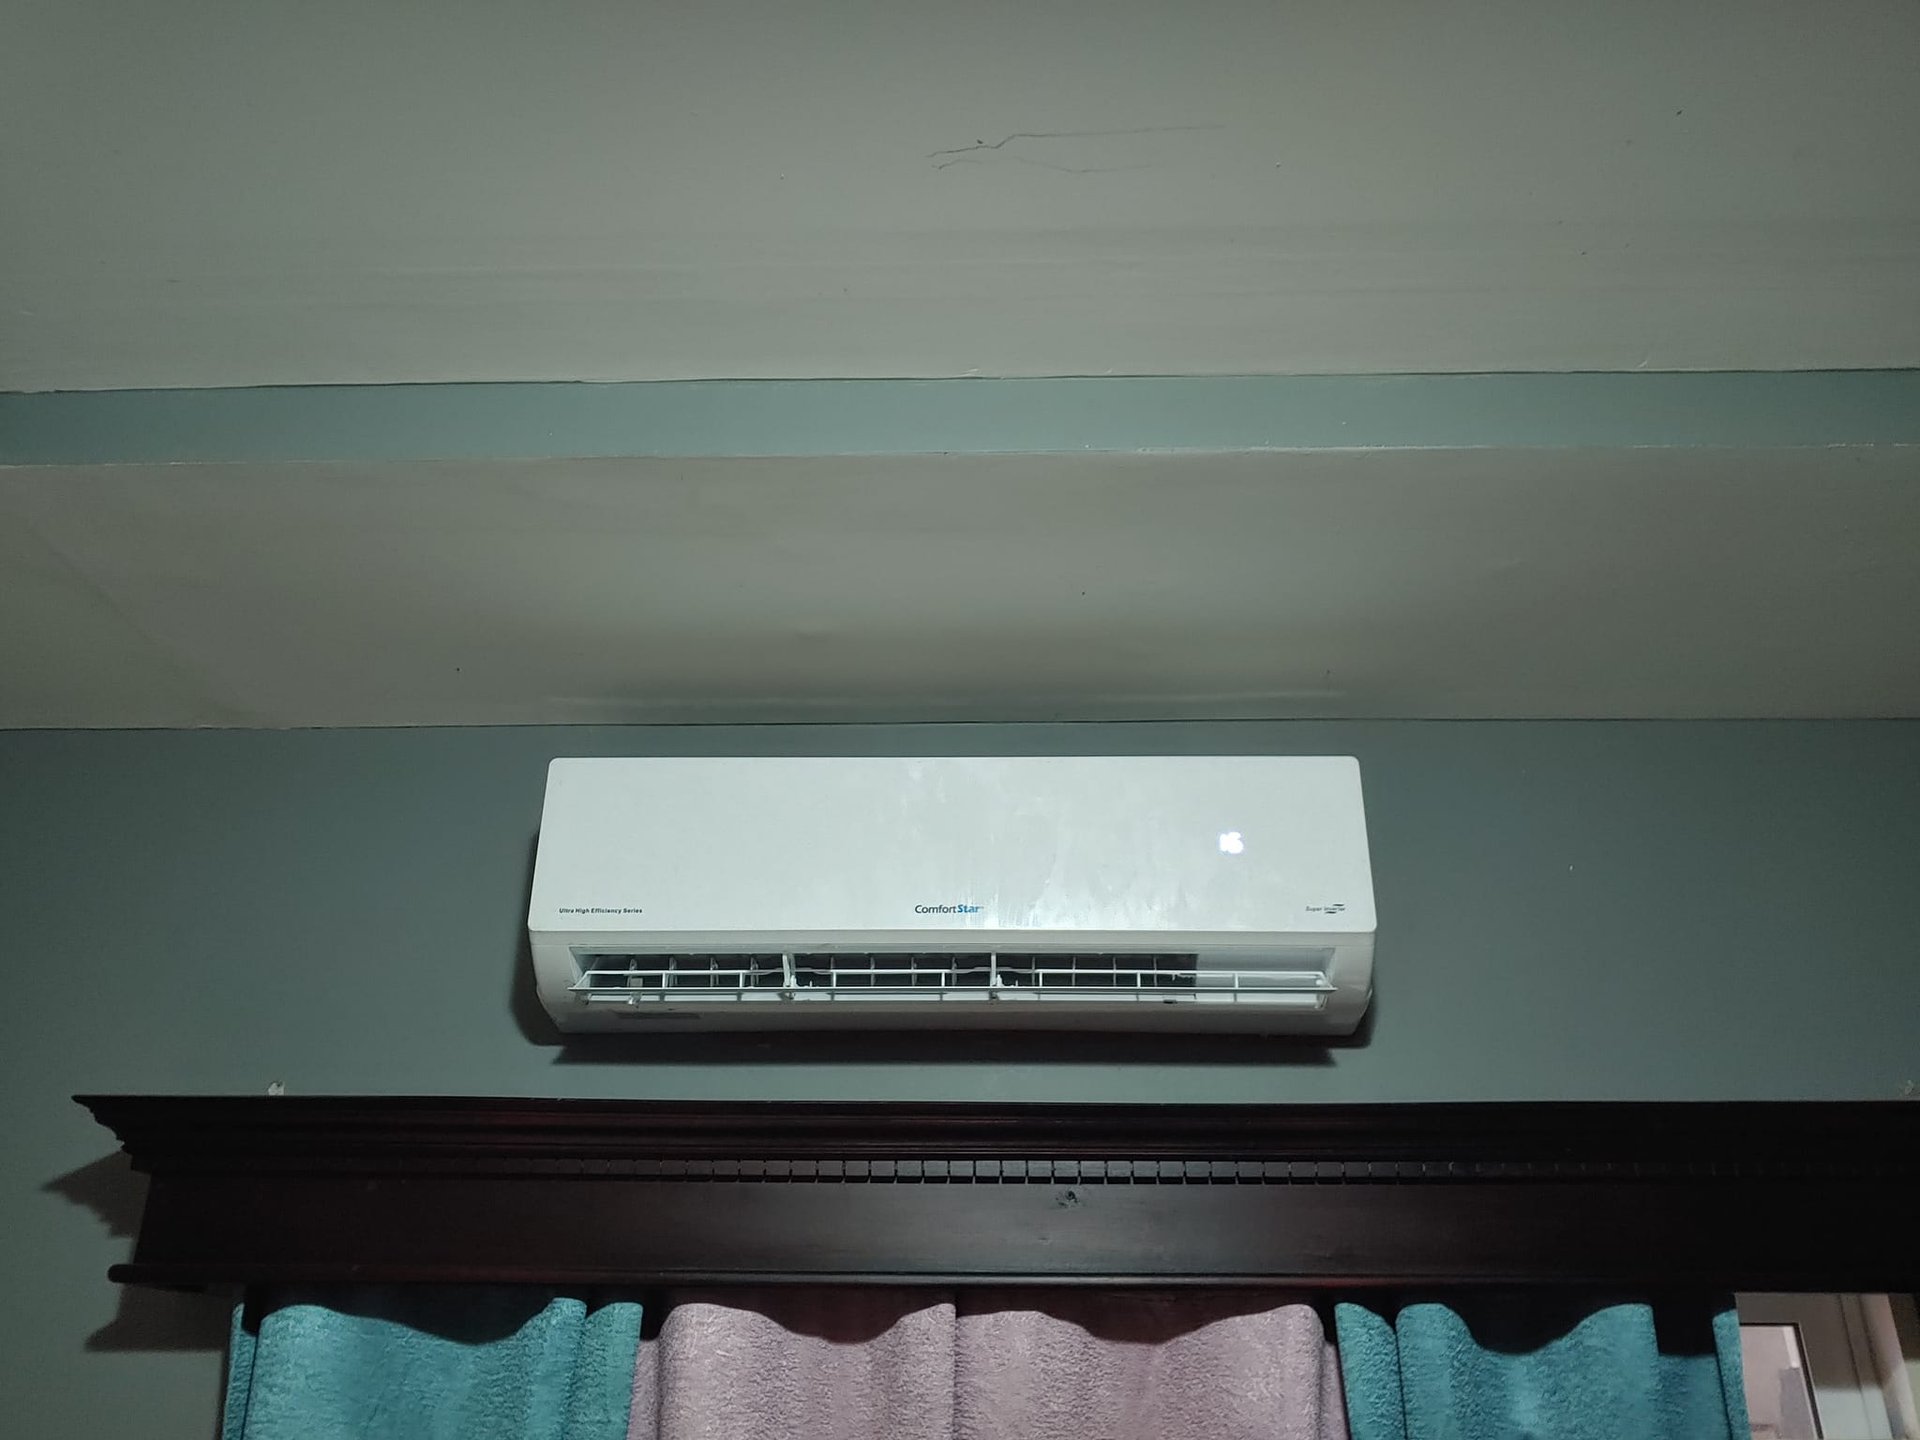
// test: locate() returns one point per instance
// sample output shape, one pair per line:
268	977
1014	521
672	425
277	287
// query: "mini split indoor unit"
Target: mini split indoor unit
1121	892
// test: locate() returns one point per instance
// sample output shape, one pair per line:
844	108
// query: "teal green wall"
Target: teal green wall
360	423
1618	910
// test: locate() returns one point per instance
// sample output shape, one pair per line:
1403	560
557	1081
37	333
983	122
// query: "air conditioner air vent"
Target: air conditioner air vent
682	971
631	977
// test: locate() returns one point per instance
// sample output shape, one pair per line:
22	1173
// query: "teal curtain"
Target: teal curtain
1520	1366
431	1363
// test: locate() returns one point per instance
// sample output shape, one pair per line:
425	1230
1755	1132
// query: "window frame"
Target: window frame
1862	1354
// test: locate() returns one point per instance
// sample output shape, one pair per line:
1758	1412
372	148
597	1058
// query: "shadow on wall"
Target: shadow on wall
896	1048
147	1319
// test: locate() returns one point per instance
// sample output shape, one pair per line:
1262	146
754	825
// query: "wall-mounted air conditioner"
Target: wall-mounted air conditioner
1066	892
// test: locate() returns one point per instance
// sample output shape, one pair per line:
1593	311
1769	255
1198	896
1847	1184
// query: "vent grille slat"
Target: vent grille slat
685	972
633	978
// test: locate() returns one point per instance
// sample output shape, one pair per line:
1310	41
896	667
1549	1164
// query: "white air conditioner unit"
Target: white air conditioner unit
1065	892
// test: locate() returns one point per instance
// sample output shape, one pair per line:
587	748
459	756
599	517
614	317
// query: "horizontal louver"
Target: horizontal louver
628	977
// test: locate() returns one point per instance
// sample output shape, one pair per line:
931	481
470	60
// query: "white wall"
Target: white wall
252	191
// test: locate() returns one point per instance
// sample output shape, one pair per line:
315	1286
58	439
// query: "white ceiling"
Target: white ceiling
1629	582
248	192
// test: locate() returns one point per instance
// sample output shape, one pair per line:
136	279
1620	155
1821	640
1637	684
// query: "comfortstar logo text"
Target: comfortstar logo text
946	909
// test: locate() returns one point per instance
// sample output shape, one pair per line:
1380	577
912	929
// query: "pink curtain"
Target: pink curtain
779	1364
877	1364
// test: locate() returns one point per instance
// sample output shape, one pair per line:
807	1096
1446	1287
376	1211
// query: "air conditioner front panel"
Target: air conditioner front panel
1214	843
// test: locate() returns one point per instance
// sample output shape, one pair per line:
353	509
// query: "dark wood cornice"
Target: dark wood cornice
1750	1195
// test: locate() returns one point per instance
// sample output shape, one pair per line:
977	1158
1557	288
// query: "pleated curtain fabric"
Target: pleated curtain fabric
782	1364
430	1363
845	1364
1520	1365
859	1363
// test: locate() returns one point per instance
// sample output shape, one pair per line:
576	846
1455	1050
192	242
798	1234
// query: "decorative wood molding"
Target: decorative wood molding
1810	1196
